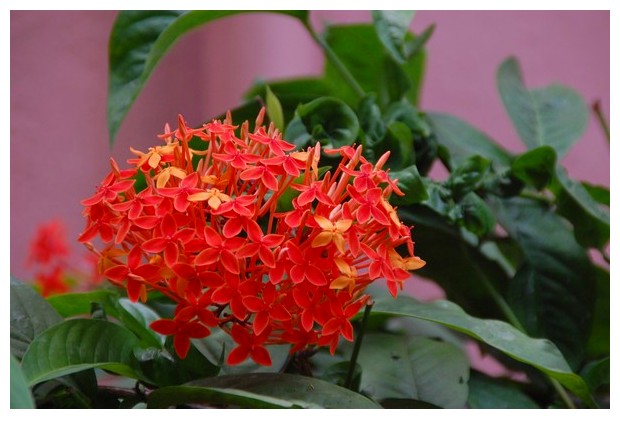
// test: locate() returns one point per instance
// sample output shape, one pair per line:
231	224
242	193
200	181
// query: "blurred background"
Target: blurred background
59	139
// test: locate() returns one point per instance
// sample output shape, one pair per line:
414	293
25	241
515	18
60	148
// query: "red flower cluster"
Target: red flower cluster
248	236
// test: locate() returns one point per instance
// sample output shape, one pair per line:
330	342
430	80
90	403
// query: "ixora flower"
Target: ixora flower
244	233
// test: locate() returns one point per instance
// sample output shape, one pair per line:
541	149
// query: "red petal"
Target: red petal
229	261
155	245
164	326
315	276
233	227
260	355
261	320
238	355
181	345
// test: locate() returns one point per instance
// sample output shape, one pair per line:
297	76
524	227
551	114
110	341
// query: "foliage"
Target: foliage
508	236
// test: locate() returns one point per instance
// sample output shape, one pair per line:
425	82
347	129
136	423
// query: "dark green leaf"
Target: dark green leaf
535	167
75	345
274	109
411	184
338	372
552	293
327	120
599	341
180	395
590	220
20	395
30	315
398	403
137	317
477	216
553	116
300	390
78	303
361	51
371	122
487	392
394	366
463	141
469	270
415	46
597	373
391	27
468	176
139	40
539	353
599	193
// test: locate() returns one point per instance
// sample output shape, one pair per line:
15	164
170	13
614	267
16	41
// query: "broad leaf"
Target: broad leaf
597	373
137	317
391	27
477	217
304	391
75	345
463	141
553	116
411	184
139	40
79	303
326	120
181	395
535	167
274	109
362	53
30	315
468	176
539	353
553	291
487	392
20	395
575	203
395	366
469	269
599	340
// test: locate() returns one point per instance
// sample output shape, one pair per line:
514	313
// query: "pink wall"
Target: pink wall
59	148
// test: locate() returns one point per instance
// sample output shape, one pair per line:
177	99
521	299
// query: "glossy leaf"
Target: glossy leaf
137	317
362	53
597	373
75	345
553	116
486	392
411	184
326	120
599	193
79	303
304	391
552	292
395	366
477	216
20	395
139	40
591	221
391	27
539	353
371	123
535	167
599	340
468	176
338	373
463	140
30	315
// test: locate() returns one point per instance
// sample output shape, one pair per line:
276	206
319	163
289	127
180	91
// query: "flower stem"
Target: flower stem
596	107
333	58
356	347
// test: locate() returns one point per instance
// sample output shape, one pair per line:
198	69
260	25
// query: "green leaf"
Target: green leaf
303	391
535	167
274	109
338	373
394	366
553	116
391	27
469	270
20	395
371	123
411	184
360	50
590	220
468	176
597	373
79	303
30	315
179	395
539	353
552	292
599	193
139	40
75	345
487	392
599	340
463	141
327	120
477	216
137	317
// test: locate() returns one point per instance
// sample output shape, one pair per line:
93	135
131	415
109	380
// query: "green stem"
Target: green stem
333	58
596	107
356	347
514	321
